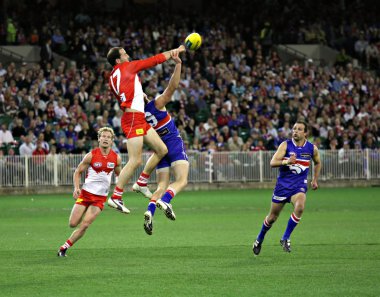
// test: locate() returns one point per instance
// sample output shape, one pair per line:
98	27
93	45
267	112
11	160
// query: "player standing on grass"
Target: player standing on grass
158	117
293	156
99	164
126	86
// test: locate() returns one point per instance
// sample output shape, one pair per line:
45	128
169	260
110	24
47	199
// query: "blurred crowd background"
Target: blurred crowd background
235	92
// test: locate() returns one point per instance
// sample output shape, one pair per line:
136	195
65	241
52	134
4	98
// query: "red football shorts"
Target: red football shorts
86	199
134	124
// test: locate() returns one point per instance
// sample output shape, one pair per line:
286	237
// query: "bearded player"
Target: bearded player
293	157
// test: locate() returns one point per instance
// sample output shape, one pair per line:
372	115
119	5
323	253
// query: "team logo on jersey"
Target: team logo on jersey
98	164
110	165
297	168
139	131
292	154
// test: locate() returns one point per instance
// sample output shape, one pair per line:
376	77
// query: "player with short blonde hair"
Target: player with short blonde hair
99	164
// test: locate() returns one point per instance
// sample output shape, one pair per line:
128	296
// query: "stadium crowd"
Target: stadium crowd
235	93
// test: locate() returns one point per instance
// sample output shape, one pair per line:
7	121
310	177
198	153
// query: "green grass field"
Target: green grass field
207	251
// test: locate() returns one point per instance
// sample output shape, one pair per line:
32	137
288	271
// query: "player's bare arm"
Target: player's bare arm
118	166
278	157
82	167
317	168
166	96
170	54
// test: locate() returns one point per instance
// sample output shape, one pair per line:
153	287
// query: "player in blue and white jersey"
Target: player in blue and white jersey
176	159
293	157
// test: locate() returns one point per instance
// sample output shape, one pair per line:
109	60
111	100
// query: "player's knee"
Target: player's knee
73	224
183	183
135	163
272	218
162	151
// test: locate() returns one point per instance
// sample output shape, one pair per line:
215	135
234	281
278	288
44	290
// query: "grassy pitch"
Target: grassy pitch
207	251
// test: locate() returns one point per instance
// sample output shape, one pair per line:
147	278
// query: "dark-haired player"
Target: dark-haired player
125	84
293	157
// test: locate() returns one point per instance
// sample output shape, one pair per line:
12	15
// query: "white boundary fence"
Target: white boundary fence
57	170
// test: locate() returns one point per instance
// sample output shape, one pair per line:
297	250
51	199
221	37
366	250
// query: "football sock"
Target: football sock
264	229
169	195
292	223
143	179
117	193
152	206
66	245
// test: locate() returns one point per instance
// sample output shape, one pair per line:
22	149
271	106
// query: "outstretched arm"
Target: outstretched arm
136	66
83	166
174	52
166	96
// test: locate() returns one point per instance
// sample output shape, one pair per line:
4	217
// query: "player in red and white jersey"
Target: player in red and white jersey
100	163
125	84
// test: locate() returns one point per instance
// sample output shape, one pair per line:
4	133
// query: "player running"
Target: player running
293	156
158	117
100	163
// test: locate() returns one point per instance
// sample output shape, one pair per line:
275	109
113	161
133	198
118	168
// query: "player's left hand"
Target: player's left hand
176	58
76	193
181	48
314	185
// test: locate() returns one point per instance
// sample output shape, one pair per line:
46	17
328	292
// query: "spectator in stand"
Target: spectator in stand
360	47
6	136
190	128
233	123
113	40
235	142
191	108
60	110
372	56
70	146
260	146
223	118
11	32
34	37
27	147
48	134
342	59
43	143
210	124
370	142
18	129
58	133
80	147
12	109
70	133
46	54
39	157
116	122
58	42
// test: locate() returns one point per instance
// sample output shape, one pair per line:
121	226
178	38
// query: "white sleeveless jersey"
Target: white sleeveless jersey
99	173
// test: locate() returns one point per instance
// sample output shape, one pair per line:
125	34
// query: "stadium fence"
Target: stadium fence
205	167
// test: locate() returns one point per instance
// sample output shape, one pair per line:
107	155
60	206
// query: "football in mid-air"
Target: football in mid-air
193	41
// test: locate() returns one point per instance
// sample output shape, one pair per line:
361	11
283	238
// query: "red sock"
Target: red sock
117	193
66	245
143	179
